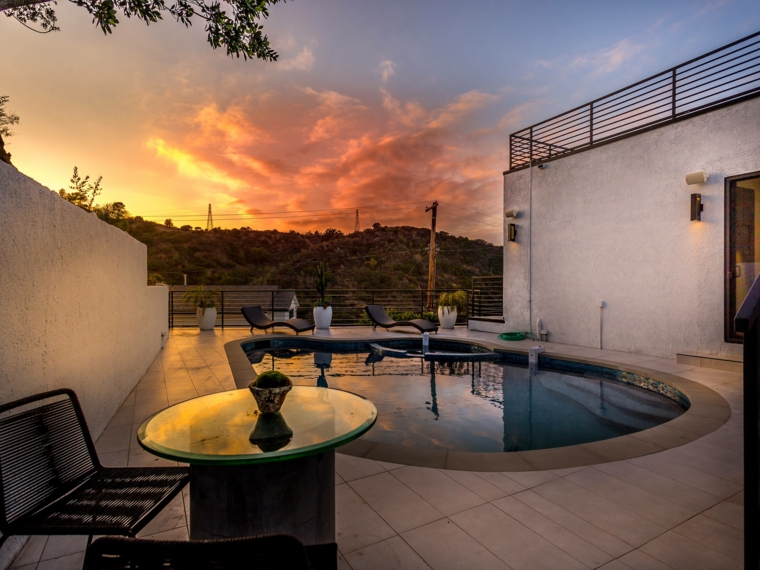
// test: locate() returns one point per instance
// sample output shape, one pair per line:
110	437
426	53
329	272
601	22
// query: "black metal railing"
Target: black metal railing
721	77
487	296
748	322
348	304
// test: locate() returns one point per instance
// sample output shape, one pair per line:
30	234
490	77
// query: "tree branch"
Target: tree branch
10	4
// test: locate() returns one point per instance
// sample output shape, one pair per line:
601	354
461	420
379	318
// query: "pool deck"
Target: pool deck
676	508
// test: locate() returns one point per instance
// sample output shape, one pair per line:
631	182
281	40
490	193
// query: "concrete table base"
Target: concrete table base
296	497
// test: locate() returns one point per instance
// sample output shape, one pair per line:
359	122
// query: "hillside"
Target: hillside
376	258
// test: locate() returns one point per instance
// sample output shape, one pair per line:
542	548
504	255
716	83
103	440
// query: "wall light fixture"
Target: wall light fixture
696	207
511	232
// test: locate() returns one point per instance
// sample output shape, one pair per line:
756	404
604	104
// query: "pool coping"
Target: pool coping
708	412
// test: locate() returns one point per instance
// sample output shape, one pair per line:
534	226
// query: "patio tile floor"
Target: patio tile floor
678	508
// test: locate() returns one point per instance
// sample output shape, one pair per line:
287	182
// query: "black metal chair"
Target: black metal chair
257	318
380	318
51	481
272	552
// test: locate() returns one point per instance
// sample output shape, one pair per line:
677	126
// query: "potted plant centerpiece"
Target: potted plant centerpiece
270	389
271	431
448	305
204	302
322	308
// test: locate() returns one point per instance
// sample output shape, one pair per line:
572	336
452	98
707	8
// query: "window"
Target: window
742	244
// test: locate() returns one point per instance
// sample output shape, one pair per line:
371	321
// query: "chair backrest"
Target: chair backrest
270	552
256	316
45	451
377	314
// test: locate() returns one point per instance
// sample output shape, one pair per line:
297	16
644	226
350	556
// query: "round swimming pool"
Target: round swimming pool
469	399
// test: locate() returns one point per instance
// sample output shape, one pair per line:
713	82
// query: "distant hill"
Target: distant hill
376	258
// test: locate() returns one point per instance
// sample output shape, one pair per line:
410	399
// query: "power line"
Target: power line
378	207
472	220
473	211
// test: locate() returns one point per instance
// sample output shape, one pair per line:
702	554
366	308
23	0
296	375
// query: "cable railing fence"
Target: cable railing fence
487	296
348	304
721	77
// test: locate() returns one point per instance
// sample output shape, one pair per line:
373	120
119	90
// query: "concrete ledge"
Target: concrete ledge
491	326
714	361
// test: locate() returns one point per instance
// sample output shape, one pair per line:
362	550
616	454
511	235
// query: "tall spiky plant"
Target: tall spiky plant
322	283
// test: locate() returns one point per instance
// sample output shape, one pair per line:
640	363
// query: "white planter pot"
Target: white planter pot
207	320
447	316
322	317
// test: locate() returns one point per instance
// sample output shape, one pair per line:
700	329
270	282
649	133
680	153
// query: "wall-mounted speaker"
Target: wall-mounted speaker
698	177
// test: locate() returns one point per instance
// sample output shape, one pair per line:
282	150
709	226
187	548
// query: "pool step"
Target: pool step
385	351
462	356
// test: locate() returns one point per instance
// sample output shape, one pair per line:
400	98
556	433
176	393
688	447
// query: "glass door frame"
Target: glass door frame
730	335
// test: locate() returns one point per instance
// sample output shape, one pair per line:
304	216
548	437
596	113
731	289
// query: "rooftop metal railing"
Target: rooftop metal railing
721	77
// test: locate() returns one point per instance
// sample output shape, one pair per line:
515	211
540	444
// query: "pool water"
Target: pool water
476	406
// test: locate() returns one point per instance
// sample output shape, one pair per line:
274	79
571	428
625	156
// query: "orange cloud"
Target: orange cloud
193	167
325	150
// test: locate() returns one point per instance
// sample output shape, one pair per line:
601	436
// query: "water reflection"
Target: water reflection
482	406
322	360
271	433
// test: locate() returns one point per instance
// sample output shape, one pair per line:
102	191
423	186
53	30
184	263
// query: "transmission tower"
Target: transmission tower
210	220
356	223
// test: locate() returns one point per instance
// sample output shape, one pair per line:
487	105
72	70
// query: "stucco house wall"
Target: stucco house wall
75	306
612	224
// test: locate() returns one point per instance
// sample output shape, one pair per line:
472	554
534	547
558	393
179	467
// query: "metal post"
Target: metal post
431	262
222	292
673	95
591	124
751	445
272	316
422	303
171	309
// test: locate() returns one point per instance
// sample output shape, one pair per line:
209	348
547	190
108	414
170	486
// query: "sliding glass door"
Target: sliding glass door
742	244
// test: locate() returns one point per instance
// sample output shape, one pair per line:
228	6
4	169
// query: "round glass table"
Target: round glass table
253	474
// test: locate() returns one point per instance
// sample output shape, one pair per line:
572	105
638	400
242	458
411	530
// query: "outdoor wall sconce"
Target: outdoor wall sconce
511	213
696	207
511	232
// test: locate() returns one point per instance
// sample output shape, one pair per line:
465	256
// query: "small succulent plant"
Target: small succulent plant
271	379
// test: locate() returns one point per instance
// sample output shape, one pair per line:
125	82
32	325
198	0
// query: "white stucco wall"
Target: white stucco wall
613	224
74	305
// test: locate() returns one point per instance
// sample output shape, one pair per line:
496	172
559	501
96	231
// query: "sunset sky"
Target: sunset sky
384	106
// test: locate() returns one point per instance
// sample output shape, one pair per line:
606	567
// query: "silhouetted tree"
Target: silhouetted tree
6	120
83	193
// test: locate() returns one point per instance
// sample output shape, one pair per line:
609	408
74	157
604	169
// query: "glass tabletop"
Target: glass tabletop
227	429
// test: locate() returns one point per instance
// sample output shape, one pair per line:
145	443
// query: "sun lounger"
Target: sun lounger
380	318
258	319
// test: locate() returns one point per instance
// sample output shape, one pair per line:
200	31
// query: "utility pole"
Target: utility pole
431	263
